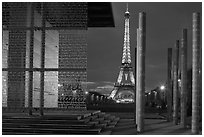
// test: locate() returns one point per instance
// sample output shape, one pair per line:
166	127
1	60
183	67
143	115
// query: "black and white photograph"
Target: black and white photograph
101	68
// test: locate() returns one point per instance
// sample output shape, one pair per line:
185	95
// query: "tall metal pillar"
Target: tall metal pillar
175	84
137	75
42	82
169	85
135	108
195	73
31	24
183	77
141	71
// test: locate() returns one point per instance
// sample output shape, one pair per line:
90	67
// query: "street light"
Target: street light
163	92
162	87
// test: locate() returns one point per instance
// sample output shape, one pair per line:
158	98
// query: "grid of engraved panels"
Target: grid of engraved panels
17	49
14	14
77	51
72	77
16	89
73	49
67	14
15	54
67	80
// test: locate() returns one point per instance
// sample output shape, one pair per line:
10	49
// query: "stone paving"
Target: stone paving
154	125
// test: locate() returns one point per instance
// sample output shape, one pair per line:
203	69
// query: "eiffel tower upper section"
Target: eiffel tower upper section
126	58
126	71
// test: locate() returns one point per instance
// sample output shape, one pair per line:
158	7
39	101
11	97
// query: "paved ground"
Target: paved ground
162	127
56	112
154	125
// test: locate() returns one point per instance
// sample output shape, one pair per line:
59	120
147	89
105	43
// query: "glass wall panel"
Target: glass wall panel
36	89
51	48
37	15
27	56
51	89
5	46
37	49
4	88
64	49
26	88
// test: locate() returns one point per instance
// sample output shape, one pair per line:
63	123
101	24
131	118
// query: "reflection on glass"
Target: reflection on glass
4	88
51	89
5	46
36	89
37	49
26	88
27	59
51	49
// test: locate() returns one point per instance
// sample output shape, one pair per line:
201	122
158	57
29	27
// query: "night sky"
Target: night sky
164	24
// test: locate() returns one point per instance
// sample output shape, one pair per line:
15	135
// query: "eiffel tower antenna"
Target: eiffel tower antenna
127	6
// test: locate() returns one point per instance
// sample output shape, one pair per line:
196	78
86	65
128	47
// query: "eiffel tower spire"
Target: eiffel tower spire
126	59
124	87
127	7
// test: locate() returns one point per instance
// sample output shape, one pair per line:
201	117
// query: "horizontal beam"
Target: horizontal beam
46	28
43	69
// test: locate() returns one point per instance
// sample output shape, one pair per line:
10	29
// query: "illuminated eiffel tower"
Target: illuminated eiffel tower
124	87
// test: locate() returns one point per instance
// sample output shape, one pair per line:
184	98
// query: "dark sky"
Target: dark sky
164	25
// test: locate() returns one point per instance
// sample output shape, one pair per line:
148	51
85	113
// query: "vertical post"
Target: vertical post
42	60
195	73
135	86
141	71
175	84
200	85
172	82
183	77
30	92
137	77
169	85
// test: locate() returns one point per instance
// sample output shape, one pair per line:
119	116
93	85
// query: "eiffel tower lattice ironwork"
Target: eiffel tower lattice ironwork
124	87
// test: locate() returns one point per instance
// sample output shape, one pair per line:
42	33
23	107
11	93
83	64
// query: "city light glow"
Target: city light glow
162	87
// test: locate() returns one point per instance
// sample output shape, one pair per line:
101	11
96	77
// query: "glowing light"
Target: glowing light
59	85
86	92
74	91
162	87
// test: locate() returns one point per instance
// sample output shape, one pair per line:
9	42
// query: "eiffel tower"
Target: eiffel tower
124	87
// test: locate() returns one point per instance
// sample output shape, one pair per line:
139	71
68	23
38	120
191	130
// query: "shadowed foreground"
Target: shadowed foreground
154	125
87	122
